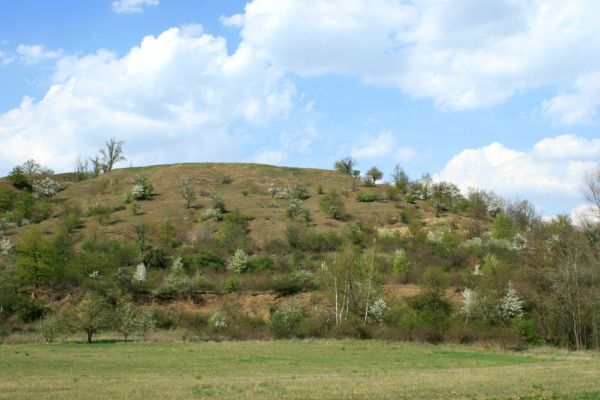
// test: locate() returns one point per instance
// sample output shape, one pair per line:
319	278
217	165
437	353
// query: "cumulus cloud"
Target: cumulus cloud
172	98
463	54
585	213
566	147
382	145
31	54
539	171
132	6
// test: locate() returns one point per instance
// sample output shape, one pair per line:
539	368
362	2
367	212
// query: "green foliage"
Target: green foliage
297	281
332	204
7	198
52	326
239	262
141	189
204	259
231	283
503	227
286	318
18	179
345	165
373	175
101	212
218	204
262	263
366	197
186	189
296	209
32	265
92	315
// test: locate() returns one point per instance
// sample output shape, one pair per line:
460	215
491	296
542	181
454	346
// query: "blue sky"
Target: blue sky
502	95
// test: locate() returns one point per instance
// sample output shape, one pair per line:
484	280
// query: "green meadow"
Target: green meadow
312	369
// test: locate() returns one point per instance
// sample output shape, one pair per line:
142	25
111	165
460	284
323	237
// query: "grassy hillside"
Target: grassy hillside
243	187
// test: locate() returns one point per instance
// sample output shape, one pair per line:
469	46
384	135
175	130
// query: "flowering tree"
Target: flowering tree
45	187
239	262
511	305
140	273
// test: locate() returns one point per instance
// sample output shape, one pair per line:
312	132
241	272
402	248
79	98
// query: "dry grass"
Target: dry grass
245	189
292	370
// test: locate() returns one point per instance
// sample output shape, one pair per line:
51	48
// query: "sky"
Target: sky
502	95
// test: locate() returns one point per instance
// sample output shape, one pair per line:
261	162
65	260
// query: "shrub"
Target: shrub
18	179
186	190
332	205
218	204
102	213
231	284
261	263
286	318
378	310
212	213
366	197
218	321
141	189
295	282
45	187
298	191
51	327
296	209
239	262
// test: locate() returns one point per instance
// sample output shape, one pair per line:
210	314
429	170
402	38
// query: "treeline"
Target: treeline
502	274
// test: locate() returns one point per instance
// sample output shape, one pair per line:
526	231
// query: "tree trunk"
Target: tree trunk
89	335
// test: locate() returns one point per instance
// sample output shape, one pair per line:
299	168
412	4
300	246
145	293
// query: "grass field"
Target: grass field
292	370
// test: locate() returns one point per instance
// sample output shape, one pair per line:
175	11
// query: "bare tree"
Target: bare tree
591	187
112	154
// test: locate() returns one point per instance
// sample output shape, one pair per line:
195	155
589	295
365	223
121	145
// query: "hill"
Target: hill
263	251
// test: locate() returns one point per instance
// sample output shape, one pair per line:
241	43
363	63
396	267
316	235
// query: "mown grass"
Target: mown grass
312	369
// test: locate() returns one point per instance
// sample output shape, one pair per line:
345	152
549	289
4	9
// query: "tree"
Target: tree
373	175
400	179
126	318
239	262
32	264
332	205
345	165
591	187
187	190
112	154
92	315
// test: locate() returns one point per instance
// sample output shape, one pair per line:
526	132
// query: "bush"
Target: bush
141	189
45	187
218	204
239	262
51	327
102	213
332	205
299	191
204	259
366	197
231	284
295	282
286	318
212	213
29	310
261	263
18	179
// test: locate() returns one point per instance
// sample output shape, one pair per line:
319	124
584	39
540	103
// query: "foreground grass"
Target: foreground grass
292	370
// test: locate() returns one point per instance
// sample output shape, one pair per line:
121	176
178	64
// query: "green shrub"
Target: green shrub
204	259
102	213
366	197
261	263
295	282
18	179
332	205
231	284
141	189
286	318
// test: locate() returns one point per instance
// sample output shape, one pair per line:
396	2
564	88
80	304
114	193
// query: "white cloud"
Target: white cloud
172	98
567	146
272	157
463	54
585	213
510	172
132	6
5	58
31	54
382	145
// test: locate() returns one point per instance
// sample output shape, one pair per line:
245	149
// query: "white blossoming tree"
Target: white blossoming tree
511	306
239	262
467	309
140	273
